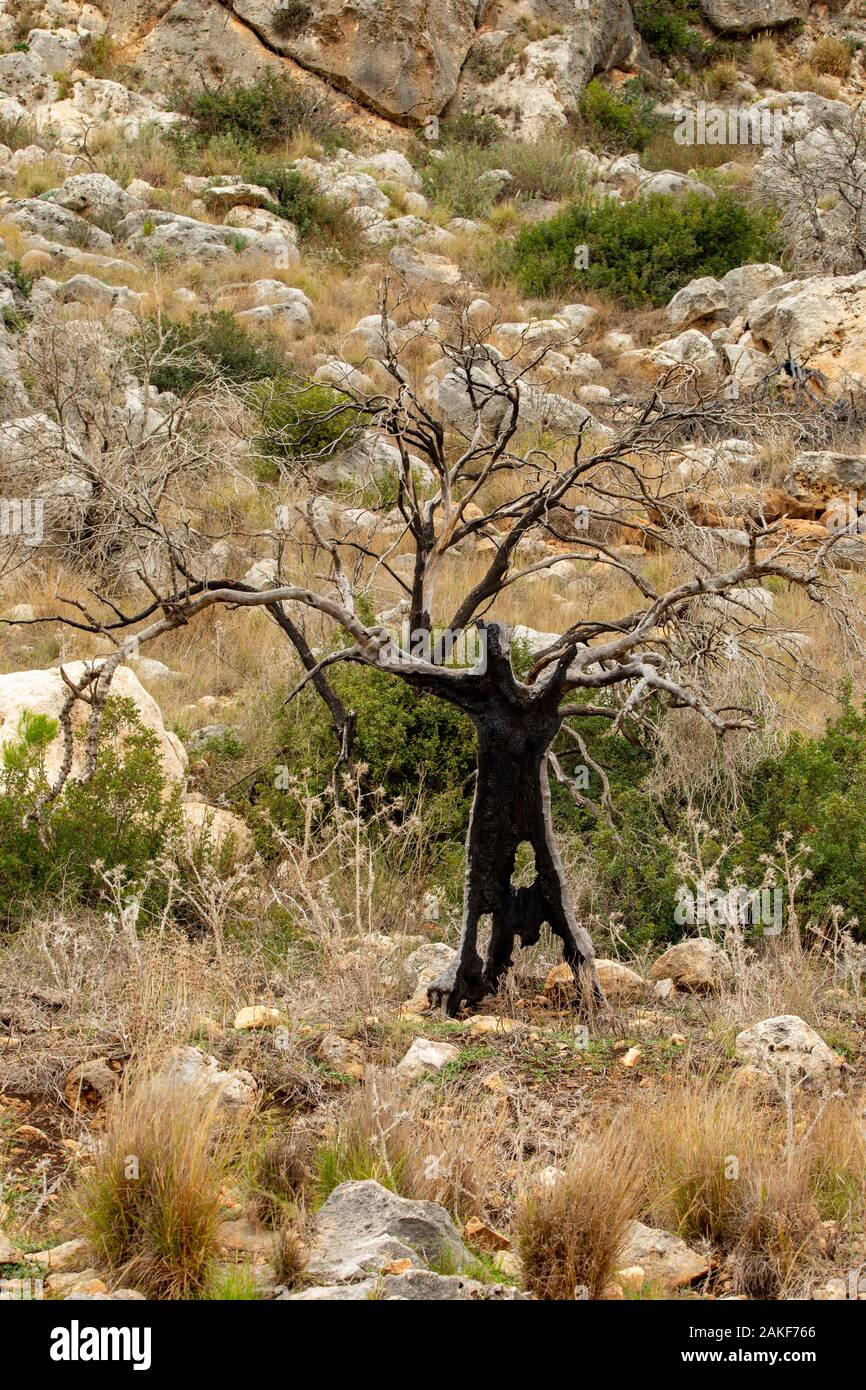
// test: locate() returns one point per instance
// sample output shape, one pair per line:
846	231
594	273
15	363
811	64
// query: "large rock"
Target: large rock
96	197
698	965
44	692
822	318
190	1069
701	298
664	1258
619	984
363	1227
747	282
543	79
185	238
785	1047
823	475
746	16
38	217
402	58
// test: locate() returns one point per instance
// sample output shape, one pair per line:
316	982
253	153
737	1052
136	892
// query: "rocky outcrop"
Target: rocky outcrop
538	83
822	319
747	16
44	692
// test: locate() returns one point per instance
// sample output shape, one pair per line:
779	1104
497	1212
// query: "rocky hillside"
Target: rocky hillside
328	327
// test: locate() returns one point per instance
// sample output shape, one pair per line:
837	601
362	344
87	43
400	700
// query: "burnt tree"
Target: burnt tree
485	475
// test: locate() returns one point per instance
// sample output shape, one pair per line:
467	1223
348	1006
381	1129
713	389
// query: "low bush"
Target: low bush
667	28
119	819
260	115
320	223
302	421
189	354
641	252
625	119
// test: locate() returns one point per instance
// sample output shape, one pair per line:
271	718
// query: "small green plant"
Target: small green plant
666	27
231	1284
625	119
298	420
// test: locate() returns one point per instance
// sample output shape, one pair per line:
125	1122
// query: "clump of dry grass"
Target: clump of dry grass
763	61
696	1141
570	1234
399	1136
777	1236
290	1258
831	56
805	78
150	1205
281	1176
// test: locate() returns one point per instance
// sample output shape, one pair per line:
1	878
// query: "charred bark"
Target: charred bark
515	726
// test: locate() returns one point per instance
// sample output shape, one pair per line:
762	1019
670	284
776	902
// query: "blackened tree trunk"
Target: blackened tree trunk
515	725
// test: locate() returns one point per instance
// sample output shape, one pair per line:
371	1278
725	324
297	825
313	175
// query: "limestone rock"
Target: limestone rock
190	1068
255	1017
425	1055
362	1227
785	1046
697	965
701	298
216	827
664	1258
747	16
619	984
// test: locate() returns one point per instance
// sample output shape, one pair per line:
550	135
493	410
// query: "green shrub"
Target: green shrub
209	346
666	28
548	167
468	129
319	222
300	421
626	119
119	818
260	115
815	789
641	252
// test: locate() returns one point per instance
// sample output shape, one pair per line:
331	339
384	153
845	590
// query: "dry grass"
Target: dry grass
806	78
695	1142
762	61
150	1205
569	1234
831	56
